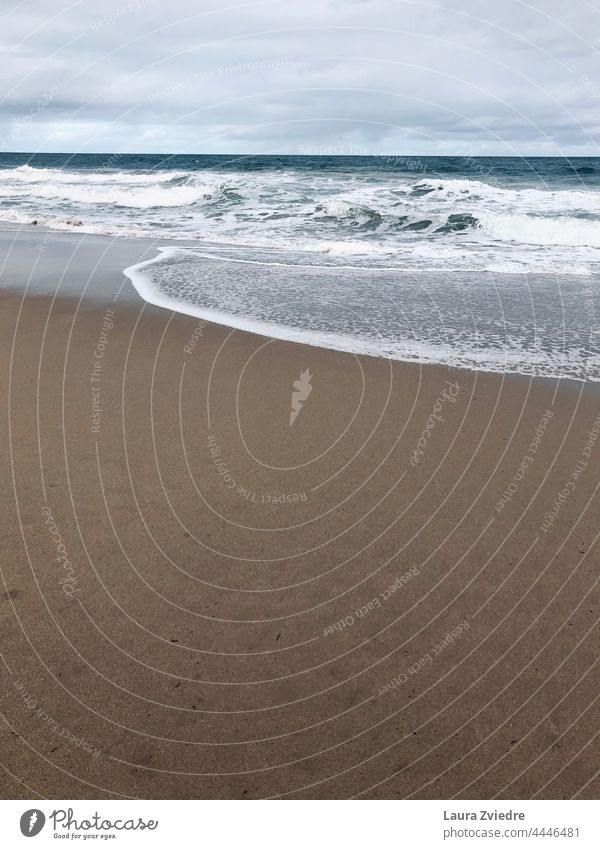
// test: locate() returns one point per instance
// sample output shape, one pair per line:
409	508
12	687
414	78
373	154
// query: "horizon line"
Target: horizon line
314	155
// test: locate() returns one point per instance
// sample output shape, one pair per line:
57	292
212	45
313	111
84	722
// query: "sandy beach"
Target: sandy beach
395	595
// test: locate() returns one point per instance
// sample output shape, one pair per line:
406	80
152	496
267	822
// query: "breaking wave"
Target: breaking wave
468	223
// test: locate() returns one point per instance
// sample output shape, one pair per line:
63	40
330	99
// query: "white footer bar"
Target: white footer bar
302	824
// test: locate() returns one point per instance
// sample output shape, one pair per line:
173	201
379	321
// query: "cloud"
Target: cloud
270	76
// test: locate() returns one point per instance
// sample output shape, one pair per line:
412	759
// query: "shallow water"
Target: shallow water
525	324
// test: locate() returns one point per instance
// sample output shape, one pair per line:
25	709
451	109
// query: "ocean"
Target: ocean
486	263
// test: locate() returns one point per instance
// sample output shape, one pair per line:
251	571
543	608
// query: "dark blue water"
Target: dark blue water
576	172
487	262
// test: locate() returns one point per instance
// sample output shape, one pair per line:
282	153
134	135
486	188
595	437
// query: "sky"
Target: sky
347	77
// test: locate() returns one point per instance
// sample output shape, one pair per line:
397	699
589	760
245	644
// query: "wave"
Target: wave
525	229
145	196
534	199
27	174
422	222
376	312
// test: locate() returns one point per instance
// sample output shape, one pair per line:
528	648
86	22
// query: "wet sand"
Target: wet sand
394	596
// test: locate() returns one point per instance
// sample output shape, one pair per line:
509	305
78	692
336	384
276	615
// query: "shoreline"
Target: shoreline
140	247
217	596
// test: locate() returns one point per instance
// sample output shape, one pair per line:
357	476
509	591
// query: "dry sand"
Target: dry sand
197	597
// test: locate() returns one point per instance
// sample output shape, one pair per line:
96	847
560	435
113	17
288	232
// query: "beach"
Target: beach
242	567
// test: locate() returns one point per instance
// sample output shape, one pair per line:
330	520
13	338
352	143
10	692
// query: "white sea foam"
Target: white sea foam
378	312
422	222
26	174
532	199
524	229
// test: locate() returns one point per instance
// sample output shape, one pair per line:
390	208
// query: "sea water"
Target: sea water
488	262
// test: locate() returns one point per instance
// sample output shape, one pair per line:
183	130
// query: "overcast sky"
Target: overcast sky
301	76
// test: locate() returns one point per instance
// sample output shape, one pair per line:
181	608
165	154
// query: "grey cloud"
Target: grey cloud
396	77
